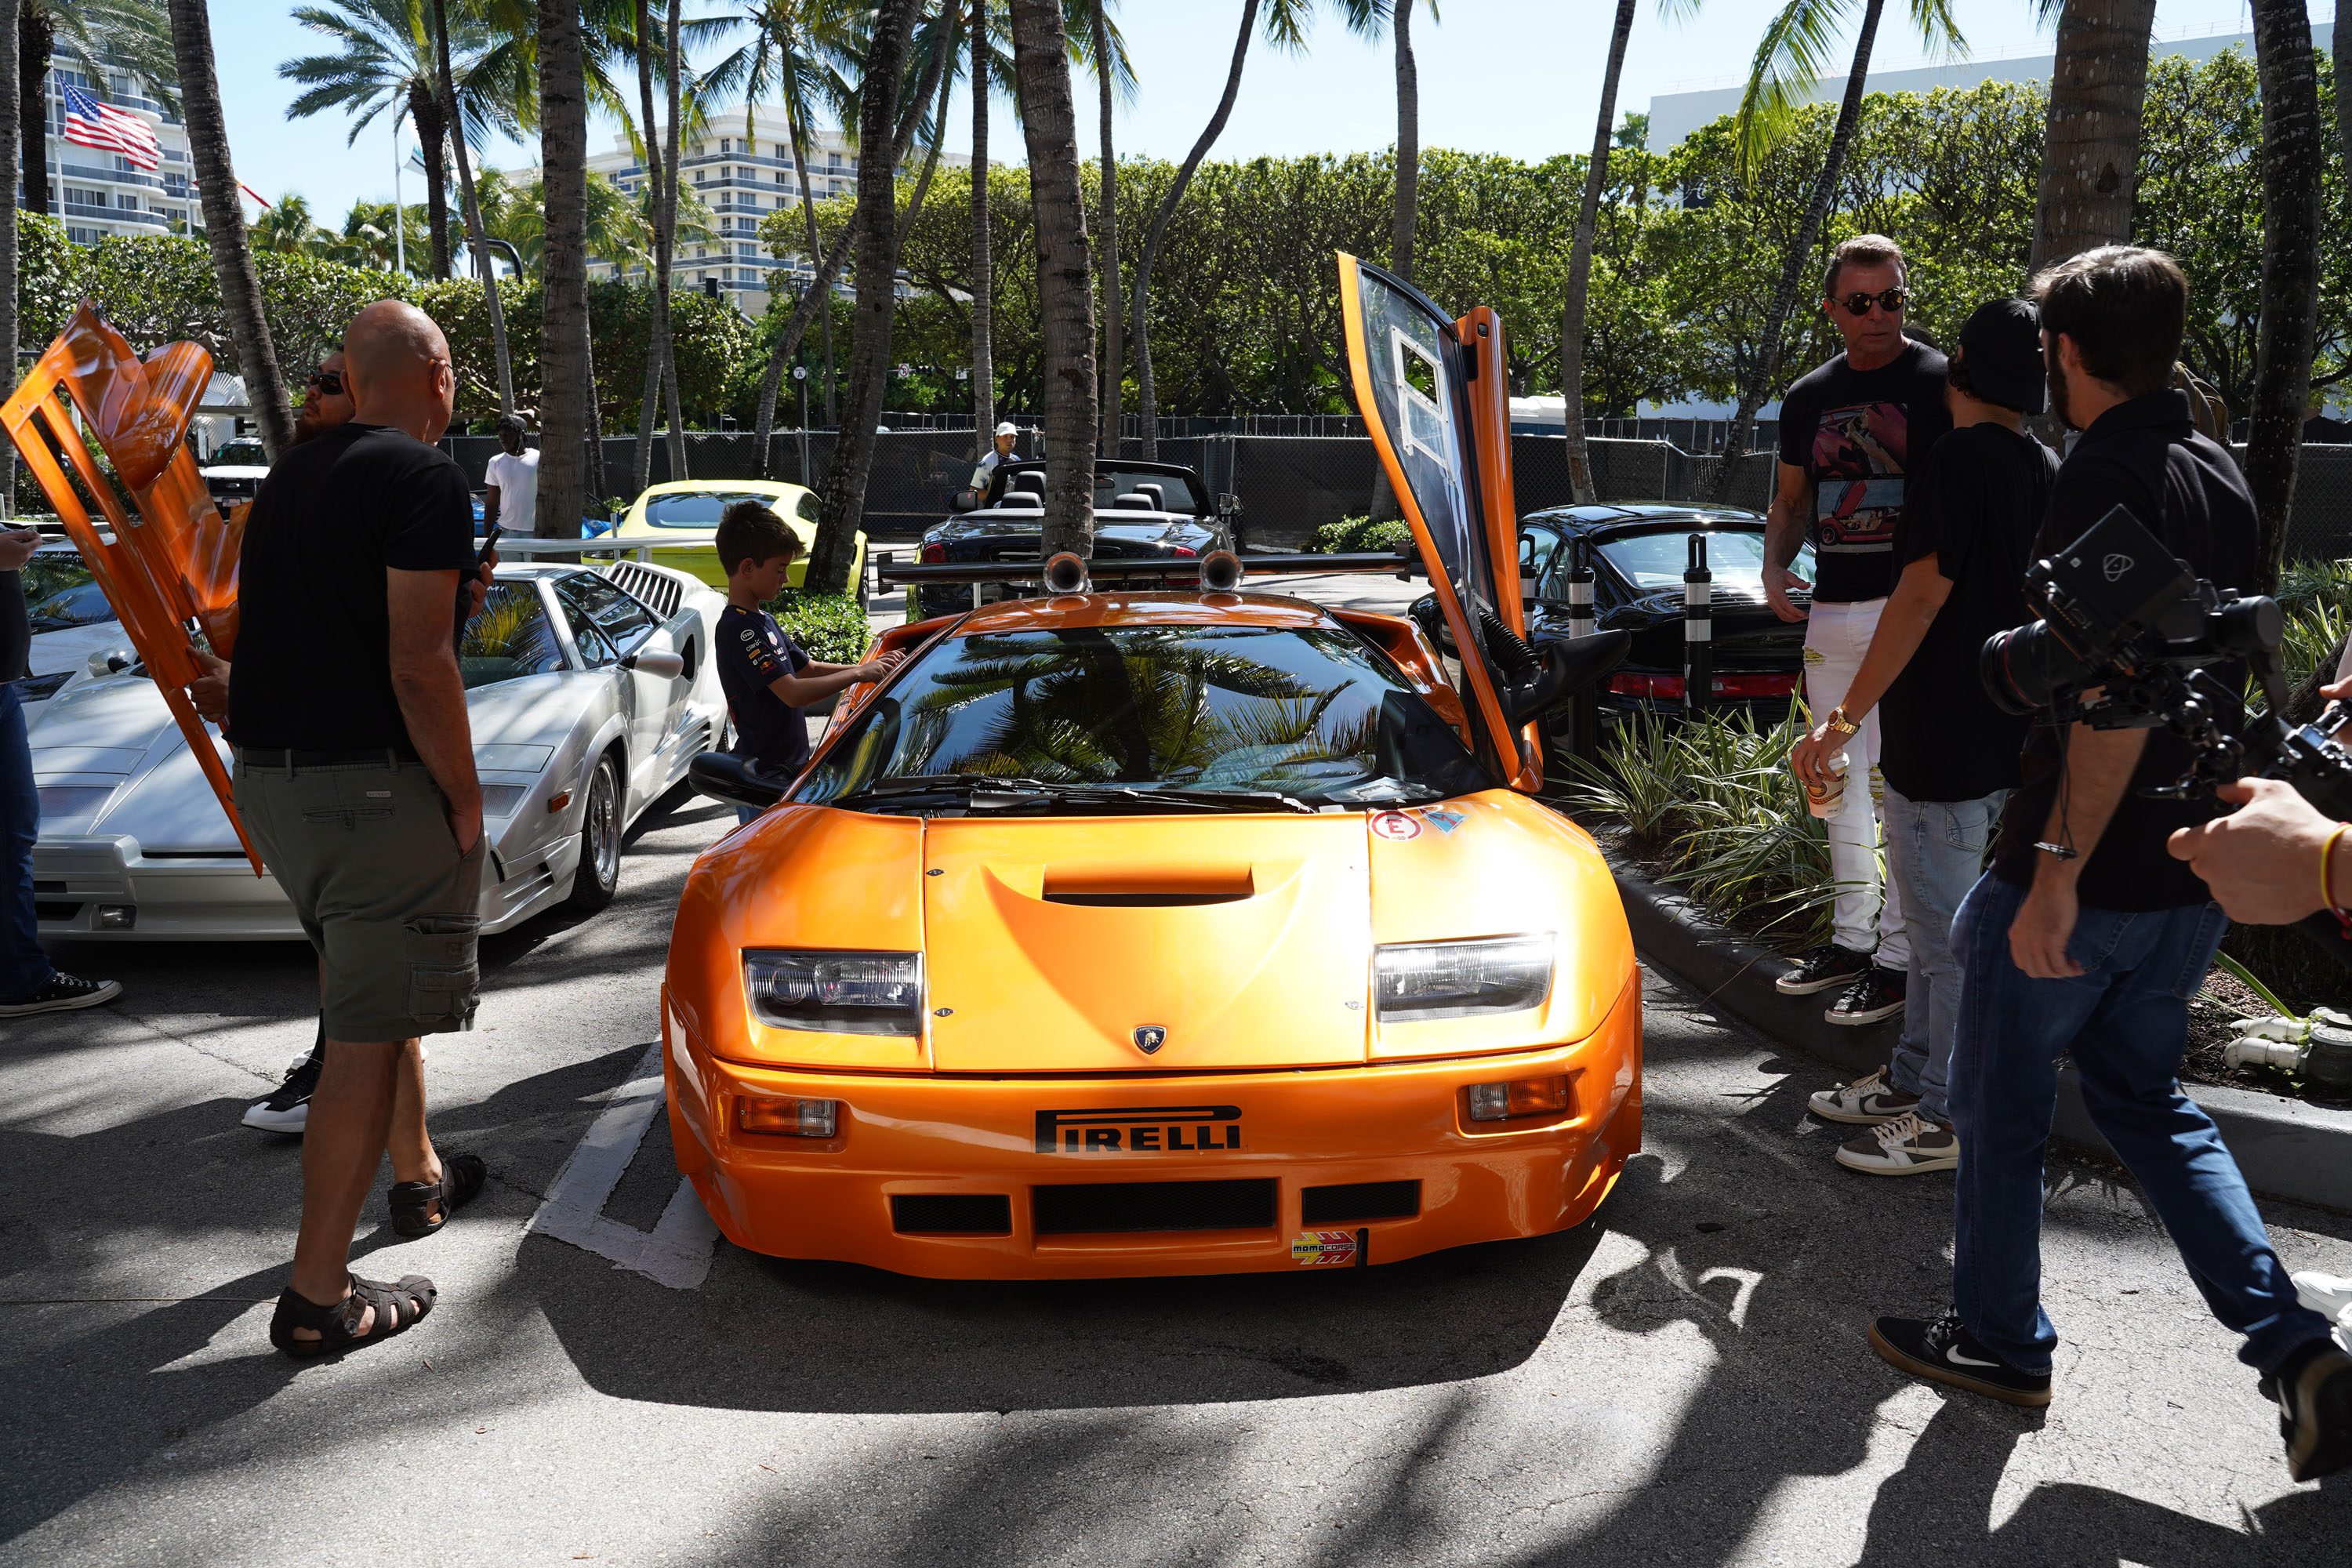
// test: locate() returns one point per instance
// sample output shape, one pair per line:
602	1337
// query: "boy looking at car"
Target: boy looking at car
1949	756
767	678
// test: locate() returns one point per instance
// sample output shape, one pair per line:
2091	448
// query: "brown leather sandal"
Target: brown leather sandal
397	1306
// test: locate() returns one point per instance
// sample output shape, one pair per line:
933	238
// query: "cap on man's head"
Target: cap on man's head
1008	428
511	424
2000	356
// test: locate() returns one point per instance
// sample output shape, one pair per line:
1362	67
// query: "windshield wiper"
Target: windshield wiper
1001	790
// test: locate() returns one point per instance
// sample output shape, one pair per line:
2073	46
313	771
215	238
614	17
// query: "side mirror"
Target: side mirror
1229	505
722	776
965	499
112	662
658	662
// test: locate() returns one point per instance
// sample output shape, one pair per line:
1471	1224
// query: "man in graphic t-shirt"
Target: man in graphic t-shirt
1849	431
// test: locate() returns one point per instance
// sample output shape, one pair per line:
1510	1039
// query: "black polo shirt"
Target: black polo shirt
2143	455
752	653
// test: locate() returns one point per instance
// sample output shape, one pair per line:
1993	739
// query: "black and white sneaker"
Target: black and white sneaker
1822	969
1877	993
288	1108
2313	1390
1942	1350
1909	1145
63	993
1872	1100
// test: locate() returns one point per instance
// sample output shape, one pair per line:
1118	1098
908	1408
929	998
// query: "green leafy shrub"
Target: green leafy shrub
1352	534
830	628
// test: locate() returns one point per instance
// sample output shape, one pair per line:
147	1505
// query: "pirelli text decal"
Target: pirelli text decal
1142	1130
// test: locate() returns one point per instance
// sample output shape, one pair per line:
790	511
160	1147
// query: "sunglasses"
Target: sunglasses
329	381
1890	302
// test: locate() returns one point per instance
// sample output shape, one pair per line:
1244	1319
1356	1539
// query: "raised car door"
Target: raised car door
1431	390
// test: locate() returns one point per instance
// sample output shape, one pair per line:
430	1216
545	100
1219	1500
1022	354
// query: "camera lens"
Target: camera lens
2249	626
2025	668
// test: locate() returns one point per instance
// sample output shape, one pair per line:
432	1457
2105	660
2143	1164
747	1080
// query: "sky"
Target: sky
1515	76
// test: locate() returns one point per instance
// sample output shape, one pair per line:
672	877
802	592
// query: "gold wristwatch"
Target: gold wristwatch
1839	722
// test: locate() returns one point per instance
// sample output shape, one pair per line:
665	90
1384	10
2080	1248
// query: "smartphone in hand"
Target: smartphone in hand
491	537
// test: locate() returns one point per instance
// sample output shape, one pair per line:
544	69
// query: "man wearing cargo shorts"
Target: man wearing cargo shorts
355	775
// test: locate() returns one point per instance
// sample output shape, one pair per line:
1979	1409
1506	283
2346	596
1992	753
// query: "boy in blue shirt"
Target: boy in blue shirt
767	678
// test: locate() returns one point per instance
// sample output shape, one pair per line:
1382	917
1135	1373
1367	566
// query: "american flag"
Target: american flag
90	123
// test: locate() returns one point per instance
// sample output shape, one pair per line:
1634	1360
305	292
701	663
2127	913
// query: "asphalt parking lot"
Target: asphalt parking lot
1681	1380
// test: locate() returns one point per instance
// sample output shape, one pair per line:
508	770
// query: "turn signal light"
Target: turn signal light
1520	1097
787	1118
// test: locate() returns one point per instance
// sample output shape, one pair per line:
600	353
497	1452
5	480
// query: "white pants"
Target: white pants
1867	913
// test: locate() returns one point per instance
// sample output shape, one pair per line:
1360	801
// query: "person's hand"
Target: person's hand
209	690
1810	757
2342	691
16	547
2262	861
2038	937
876	669
1778	582
478	590
466	824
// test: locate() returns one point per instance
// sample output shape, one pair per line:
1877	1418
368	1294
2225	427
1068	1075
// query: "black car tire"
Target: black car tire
598	876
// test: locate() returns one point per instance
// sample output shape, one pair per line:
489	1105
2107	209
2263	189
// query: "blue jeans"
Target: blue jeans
1935	852
23	967
2126	1018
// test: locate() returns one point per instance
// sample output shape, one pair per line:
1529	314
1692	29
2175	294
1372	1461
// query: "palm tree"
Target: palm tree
10	135
366	237
984	265
2294	160
1364	18
656	176
256	360
615	223
1794	54
874	230
2090	161
1065	296
380	58
1113	74
135	33
1579	265
447	97
287	228
1284	26
564	389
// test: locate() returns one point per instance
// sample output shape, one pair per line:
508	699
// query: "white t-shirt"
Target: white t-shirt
517	479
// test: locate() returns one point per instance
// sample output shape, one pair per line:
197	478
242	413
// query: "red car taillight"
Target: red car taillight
1658	687
1754	685
934	552
1182	549
1669	687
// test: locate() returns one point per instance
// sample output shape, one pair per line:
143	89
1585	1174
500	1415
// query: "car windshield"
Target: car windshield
60	592
510	639
1311	714
1176	493
240	454
697	508
1735	558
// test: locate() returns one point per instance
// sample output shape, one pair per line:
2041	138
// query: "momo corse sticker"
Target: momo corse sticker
1323	1248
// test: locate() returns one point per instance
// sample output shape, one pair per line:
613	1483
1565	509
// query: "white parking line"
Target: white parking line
677	1251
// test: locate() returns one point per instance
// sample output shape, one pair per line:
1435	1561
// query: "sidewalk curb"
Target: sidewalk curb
2288	1149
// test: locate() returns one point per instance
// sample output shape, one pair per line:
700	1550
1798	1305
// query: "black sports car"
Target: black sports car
1141	510
1640	551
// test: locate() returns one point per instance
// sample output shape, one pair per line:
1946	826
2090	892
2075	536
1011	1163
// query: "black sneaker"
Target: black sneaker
1877	993
288	1108
1820	970
2313	1390
63	993
1944	1352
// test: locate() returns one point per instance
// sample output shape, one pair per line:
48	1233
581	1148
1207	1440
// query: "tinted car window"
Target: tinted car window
1735	558
696	508
239	454
59	592
1176	493
624	622
1312	714
805	509
510	639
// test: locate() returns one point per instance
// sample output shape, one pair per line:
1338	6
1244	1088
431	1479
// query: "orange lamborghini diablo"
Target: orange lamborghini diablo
1125	934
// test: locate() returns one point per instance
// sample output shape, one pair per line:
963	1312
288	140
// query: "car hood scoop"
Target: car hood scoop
1171	943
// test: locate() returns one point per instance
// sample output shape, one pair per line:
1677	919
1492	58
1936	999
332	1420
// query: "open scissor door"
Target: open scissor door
1431	392
147	531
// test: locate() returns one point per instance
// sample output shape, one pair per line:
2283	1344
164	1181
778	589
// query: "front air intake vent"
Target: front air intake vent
1360	1201
1118	1206
952	1214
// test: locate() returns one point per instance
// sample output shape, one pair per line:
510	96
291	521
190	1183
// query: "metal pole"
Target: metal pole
1584	707
1698	629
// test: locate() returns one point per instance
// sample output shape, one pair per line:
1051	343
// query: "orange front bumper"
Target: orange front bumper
1294	1167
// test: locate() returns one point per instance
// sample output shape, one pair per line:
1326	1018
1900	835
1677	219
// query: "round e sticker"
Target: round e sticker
1395	825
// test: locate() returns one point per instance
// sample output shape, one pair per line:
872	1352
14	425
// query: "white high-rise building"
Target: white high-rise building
96	194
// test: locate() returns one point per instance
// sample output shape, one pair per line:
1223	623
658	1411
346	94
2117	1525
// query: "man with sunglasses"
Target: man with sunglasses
325	403
1849	431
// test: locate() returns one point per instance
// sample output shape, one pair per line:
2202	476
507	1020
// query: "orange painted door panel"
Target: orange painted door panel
1057	945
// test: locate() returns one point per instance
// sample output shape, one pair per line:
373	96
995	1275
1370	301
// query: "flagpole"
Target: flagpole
399	217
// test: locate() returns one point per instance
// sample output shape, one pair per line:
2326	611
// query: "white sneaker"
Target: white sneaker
1910	1145
2331	1298
1865	1102
288	1109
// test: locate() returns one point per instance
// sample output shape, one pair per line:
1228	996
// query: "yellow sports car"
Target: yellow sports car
1177	933
681	519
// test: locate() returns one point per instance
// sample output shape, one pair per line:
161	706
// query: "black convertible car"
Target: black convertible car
1639	552
1141	509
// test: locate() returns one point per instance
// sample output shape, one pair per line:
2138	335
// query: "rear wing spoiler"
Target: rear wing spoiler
1219	571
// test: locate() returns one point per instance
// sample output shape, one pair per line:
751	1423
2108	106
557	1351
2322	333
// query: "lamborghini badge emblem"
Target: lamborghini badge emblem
1150	1037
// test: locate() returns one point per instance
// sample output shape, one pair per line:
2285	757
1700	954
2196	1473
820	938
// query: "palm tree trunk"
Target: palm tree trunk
564	272
2294	160
36	39
939	137
665	240
2090	164
1114	366
1757	383
475	237
425	113
597	486
1064	291
983	266
1408	142
248	329
842	501
640	469
1579	266
797	129
10	135
2342	52
1147	395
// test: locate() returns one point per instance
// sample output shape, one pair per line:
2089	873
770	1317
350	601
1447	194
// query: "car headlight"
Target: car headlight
1460	979
61	802
500	800
836	992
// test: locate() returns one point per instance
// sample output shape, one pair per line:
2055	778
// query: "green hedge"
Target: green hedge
830	628
1351	534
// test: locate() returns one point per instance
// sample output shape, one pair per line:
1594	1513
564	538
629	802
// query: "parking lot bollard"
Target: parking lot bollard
1698	628
1584	707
